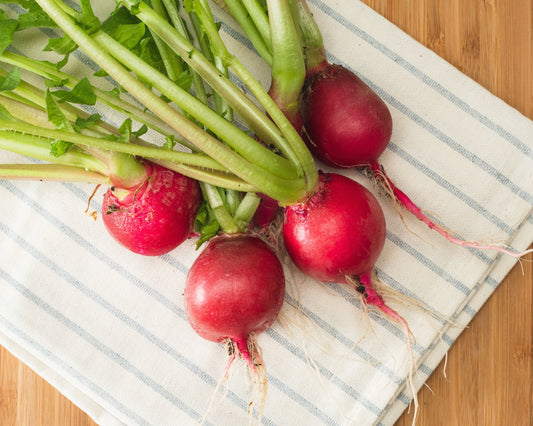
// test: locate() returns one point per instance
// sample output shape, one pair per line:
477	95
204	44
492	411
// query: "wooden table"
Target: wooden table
488	378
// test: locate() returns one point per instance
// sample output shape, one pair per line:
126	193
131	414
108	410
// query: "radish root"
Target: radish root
369	296
404	201
250	352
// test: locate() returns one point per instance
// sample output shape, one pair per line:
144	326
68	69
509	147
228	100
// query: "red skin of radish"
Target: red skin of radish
266	212
346	123
234	288
339	231
155	217
337	236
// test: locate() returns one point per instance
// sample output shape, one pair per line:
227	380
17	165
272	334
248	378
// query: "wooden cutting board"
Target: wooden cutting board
488	376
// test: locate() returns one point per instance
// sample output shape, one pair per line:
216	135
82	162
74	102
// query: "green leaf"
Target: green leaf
188	6
55	115
184	80
81	93
10	81
25	4
125	130
120	16
129	35
205	223
135	6
88	22
60	64
50	82
149	53
7	31
58	148
142	130
115	92
61	45
82	123
86	7
101	73
33	19
170	143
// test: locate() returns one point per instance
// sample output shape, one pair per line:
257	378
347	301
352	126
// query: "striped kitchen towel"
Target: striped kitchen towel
108	329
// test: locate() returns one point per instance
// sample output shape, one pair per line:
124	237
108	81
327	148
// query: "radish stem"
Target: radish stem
52	172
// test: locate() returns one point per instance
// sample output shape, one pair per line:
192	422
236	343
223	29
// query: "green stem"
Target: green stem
260	19
26	111
233	199
313	44
123	170
258	39
193	159
298	147
221	105
213	177
288	67
248	110
178	23
39	148
47	70
292	145
284	190
205	169
171	63
246	210
54	172
229	133
219	209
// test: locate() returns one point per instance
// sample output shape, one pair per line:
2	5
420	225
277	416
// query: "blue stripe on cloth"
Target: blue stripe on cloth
36	347
326	373
432	266
376	315
460	195
422	76
98	345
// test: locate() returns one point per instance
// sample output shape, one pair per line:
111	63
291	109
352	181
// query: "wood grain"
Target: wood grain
489	369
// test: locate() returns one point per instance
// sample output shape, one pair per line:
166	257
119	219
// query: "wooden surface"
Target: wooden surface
489	369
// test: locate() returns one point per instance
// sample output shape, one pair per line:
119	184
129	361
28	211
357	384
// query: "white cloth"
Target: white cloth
108	329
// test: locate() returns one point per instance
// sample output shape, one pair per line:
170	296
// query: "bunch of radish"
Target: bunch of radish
209	171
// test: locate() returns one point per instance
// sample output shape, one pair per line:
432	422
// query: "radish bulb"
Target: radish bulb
155	216
234	291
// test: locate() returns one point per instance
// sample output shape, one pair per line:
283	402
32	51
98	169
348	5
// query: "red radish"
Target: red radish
347	124
156	216
337	235
234	291
338	231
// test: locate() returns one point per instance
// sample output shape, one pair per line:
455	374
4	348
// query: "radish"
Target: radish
234	291
338	231
336	235
156	216
335	95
